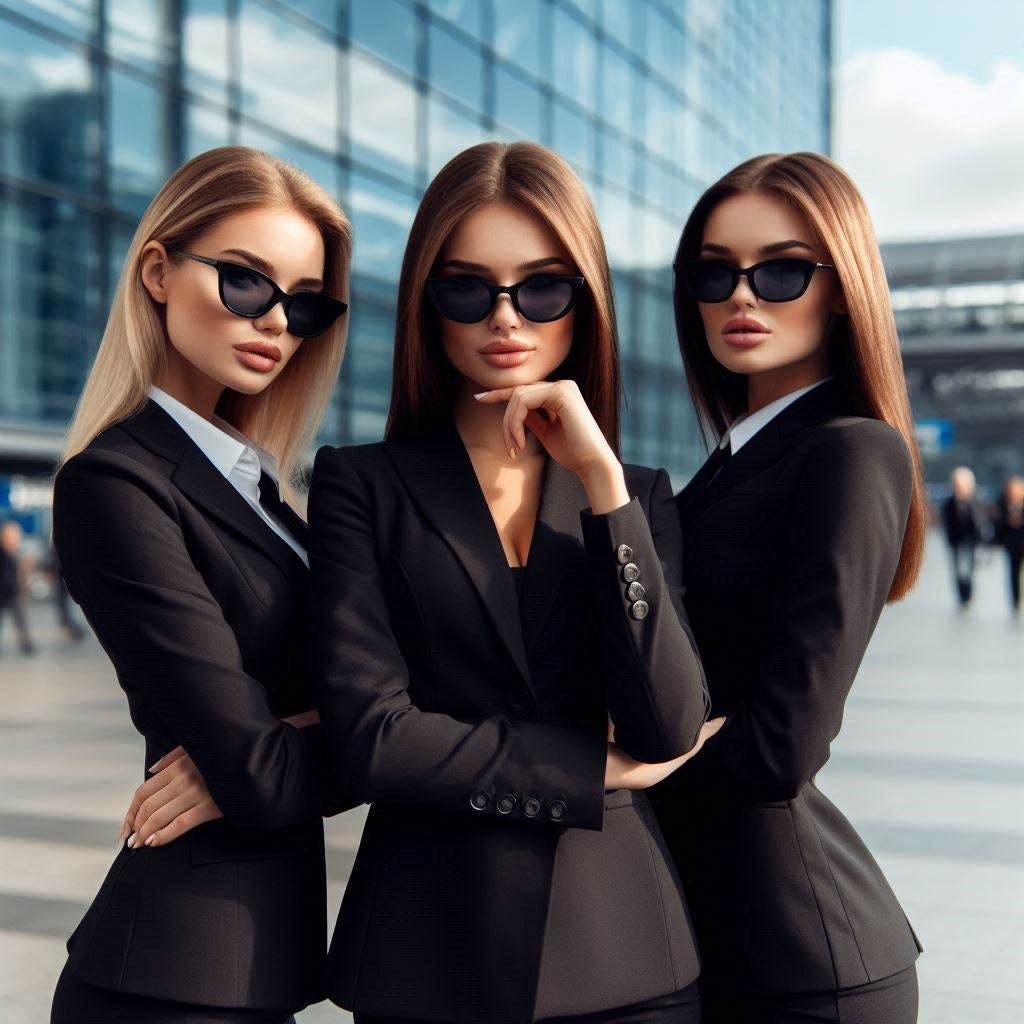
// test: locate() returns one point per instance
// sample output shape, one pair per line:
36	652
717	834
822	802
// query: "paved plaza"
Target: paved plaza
929	767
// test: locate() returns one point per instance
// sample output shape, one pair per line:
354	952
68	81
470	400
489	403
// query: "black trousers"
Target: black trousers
891	1000
682	1007
77	1002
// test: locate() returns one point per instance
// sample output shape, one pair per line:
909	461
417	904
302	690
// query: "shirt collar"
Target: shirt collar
219	441
746	425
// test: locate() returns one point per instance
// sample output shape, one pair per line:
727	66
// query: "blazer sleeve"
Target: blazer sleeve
124	557
656	690
849	513
383	746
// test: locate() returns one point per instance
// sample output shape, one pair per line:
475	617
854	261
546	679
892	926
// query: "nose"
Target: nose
743	296
273	321
504	317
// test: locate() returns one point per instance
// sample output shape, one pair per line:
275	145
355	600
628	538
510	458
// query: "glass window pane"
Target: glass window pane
448	132
519	39
327	12
383	118
573	136
467	14
48	111
204	44
617	95
366	374
295	92
137	30
518	104
77	18
386	28
381	219
575	58
321	167
204	129
617	161
456	67
139	142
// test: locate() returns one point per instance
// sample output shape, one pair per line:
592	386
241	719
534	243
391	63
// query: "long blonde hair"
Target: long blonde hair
542	183
864	350
284	417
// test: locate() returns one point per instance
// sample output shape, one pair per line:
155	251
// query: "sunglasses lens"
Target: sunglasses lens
311	313
708	280
542	299
782	280
244	292
463	299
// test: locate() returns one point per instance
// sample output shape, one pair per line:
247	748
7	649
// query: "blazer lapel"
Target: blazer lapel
768	445
440	477
207	487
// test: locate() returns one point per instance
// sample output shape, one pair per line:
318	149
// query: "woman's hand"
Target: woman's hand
556	412
173	801
625	772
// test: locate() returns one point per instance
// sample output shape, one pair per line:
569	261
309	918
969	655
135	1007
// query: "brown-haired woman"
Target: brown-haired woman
510	868
807	518
218	360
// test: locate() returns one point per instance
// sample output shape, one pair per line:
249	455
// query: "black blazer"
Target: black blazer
790	551
203	610
480	737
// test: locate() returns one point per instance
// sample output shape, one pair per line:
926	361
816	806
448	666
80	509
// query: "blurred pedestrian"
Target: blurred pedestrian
1009	532
12	586
965	527
63	599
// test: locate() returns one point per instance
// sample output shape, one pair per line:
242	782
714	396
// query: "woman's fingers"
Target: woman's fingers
164	815
171	755
162	778
205	811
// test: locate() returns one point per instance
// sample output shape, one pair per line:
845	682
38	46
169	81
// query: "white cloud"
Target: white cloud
936	154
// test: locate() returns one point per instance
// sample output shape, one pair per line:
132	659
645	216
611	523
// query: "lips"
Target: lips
261	348
496	347
745	325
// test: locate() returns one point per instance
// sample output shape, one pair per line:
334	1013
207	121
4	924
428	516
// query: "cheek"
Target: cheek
196	322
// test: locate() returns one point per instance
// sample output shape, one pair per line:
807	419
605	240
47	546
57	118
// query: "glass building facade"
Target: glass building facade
650	100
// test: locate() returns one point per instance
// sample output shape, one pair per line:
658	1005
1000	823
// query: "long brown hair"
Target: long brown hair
424	383
863	346
284	417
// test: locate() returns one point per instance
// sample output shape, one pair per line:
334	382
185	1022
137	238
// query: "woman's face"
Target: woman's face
745	229
504	244
202	333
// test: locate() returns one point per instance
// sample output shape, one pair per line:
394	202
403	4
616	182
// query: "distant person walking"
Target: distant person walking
965	527
11	585
1009	532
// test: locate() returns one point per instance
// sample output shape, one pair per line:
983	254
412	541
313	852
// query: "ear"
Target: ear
153	266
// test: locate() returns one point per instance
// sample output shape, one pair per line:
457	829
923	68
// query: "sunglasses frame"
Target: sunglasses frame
512	291
278	294
748	273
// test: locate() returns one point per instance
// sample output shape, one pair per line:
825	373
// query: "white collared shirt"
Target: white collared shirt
746	425
237	458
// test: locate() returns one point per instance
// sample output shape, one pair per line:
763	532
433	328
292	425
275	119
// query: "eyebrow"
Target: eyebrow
765	250
480	268
268	268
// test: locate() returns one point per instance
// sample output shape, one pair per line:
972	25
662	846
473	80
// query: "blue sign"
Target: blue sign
935	436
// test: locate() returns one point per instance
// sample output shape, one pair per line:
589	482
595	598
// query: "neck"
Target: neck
773	384
189	385
479	424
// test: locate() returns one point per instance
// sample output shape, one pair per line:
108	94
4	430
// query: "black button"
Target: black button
639	609
479	800
635	591
505	803
557	810
624	554
531	808
630	572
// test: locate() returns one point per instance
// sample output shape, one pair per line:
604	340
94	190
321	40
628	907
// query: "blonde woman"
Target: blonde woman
175	531
806	519
488	583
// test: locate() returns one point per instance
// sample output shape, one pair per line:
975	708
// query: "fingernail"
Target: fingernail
131	841
511	453
150	839
481	394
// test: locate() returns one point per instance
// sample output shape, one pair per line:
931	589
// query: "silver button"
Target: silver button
556	810
639	609
624	554
479	800
630	572
635	591
505	803
532	807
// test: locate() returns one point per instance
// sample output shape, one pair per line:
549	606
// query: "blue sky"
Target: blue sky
929	114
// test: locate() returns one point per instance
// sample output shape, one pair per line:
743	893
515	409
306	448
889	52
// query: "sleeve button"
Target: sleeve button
556	810
635	591
624	554
479	800
630	572
505	803
639	609
531	808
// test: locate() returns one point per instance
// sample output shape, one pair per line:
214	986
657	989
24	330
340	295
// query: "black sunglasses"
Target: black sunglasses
467	299
778	280
248	292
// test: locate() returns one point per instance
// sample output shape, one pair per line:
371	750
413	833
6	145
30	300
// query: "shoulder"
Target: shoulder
642	480
361	459
860	443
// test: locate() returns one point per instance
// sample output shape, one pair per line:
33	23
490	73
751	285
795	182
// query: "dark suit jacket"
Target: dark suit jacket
203	610
480	738
790	551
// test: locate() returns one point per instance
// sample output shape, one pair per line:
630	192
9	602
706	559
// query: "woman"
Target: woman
1008	532
510	869
218	359
808	517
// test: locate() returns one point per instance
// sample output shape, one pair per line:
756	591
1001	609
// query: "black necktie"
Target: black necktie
270	499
